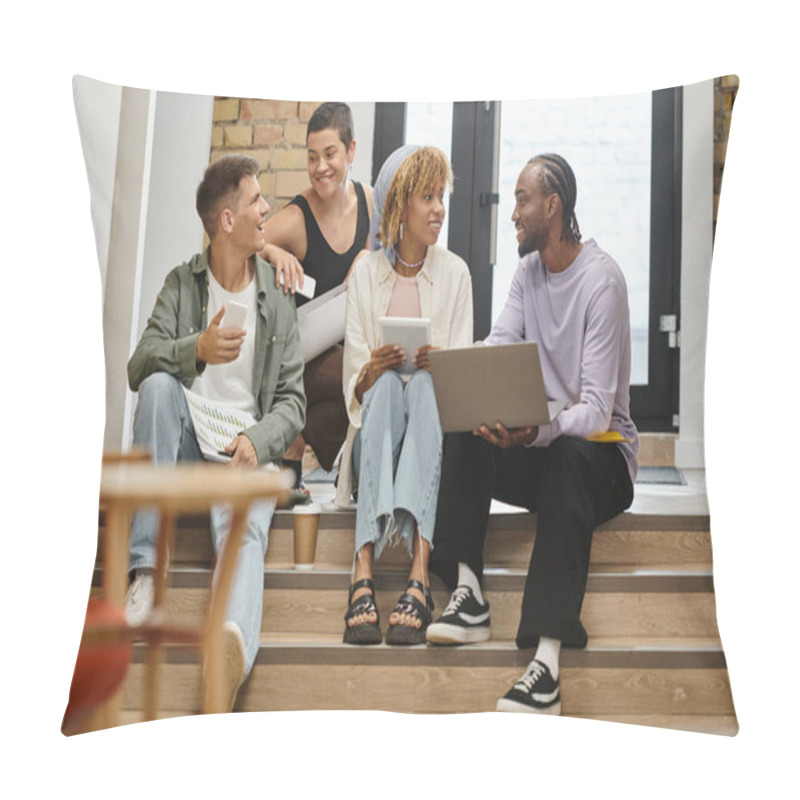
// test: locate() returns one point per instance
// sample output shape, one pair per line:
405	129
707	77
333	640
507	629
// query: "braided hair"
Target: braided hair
559	179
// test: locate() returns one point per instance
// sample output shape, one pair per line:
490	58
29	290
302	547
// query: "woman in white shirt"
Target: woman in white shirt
394	444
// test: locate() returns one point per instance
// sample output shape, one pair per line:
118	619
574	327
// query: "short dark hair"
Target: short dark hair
336	116
559	179
220	187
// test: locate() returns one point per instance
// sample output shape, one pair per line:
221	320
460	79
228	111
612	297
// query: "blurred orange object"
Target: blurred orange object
103	657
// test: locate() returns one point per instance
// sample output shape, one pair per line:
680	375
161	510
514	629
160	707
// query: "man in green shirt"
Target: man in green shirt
254	367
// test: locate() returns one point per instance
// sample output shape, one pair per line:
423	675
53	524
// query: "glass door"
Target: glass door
432	124
625	152
607	142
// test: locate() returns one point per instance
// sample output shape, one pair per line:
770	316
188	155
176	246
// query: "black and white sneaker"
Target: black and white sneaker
536	692
464	620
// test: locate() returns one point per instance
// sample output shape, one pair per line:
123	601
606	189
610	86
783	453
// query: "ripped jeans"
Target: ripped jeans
397	455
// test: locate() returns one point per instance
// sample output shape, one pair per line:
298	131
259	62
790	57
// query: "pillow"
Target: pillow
654	655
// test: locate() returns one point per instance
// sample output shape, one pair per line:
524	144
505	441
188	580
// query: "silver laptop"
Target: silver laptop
481	385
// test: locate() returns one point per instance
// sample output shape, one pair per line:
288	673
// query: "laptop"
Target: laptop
481	385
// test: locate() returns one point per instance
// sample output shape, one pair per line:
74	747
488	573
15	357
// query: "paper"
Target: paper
216	425
321	322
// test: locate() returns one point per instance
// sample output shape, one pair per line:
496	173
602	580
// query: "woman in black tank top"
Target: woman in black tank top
320	233
322	262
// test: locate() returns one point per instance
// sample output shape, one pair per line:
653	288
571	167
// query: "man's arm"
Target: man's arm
160	349
606	319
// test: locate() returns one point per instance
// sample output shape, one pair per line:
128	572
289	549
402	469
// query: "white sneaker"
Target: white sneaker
233	662
139	600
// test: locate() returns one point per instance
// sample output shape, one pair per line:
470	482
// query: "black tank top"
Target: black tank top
325	265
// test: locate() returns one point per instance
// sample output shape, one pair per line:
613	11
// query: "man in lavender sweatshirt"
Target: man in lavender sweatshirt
571	299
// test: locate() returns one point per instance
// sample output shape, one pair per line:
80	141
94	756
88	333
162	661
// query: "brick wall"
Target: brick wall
271	131
274	132
725	89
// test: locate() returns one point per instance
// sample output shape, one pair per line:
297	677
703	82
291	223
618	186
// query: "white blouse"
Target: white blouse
445	297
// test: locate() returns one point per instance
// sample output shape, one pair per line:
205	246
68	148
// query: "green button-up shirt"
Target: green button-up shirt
169	344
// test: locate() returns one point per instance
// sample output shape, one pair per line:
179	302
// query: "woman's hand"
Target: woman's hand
286	266
381	359
421	357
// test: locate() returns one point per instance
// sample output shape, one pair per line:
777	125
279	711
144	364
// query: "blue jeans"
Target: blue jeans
163	424
397	455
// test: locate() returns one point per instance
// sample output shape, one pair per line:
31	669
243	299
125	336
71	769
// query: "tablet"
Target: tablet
410	333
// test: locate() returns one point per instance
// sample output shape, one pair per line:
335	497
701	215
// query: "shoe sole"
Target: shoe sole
233	645
504	704
403	635
363	634
444	633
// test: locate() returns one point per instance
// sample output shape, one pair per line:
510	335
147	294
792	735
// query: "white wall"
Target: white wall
696	243
97	107
174	232
125	250
364	133
163	151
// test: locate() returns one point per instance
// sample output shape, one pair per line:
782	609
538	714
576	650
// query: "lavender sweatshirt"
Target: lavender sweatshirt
579	318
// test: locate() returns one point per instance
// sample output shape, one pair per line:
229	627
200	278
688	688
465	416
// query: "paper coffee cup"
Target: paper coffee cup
306	525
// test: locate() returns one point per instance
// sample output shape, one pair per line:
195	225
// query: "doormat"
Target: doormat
667	475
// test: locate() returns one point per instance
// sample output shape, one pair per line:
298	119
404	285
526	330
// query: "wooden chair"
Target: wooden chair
128	484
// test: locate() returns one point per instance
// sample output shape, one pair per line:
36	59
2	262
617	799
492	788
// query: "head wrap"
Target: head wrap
381	189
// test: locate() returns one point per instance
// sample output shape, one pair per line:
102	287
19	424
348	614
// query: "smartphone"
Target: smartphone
308	287
234	316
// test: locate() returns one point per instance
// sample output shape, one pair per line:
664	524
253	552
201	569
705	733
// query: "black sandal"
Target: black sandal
365	632
411	606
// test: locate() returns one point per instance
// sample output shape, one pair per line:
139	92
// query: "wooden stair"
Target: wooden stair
654	655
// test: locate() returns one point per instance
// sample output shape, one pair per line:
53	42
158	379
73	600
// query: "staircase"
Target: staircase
654	655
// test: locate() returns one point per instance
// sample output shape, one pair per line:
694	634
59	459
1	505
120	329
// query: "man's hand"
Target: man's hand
217	345
242	451
286	265
381	359
421	357
500	436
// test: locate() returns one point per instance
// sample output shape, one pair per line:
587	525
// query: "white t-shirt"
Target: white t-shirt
231	383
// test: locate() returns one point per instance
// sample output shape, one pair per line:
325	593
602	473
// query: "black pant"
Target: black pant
573	485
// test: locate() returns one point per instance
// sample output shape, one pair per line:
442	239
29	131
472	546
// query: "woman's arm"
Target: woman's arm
286	245
364	360
461	328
